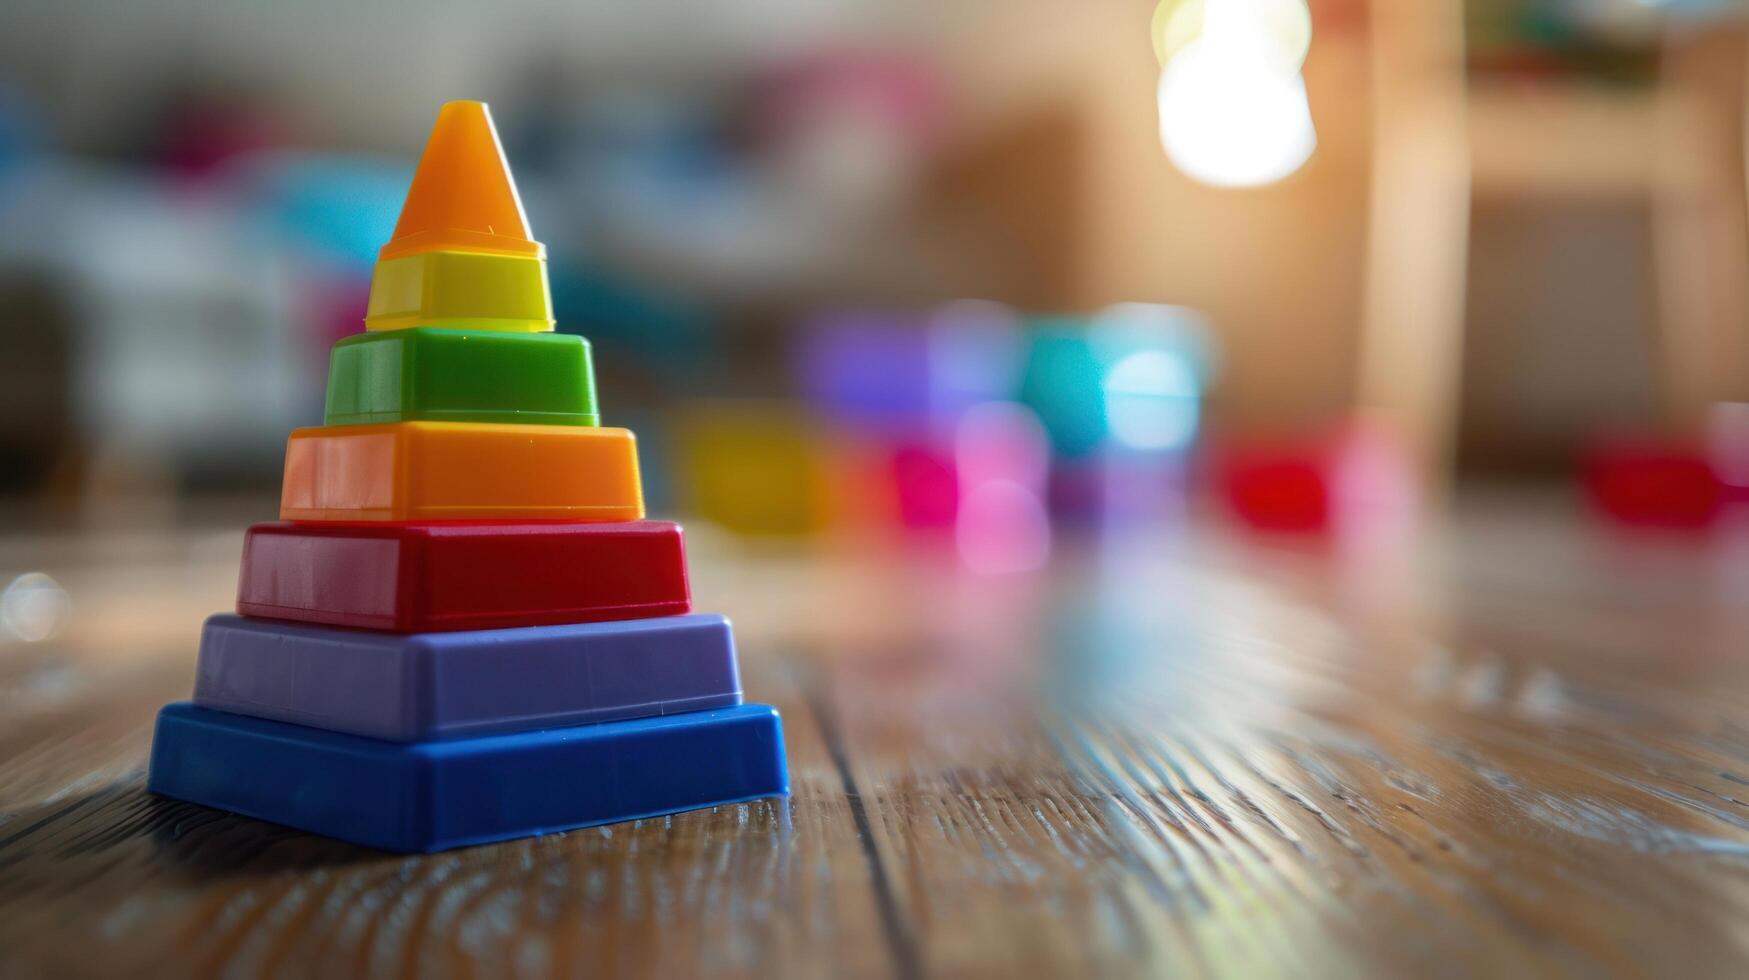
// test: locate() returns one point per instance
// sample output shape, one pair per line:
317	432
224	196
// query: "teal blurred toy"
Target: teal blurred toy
1120	394
1130	377
1063	382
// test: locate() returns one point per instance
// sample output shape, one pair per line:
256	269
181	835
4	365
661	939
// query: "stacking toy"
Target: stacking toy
424	578
462	629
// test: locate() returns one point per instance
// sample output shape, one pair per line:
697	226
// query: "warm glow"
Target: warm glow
1230	114
1283	27
34	607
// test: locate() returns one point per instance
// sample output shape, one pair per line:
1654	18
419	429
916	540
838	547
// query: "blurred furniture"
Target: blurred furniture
1519	754
1412	313
1441	141
1672	153
181	353
36	382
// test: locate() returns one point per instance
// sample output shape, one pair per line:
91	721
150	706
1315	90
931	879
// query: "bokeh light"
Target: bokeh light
34	607
1003	457
1152	401
1283	28
1233	106
1227	118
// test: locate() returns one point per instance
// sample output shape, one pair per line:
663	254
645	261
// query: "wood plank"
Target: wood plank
1518	749
1230	772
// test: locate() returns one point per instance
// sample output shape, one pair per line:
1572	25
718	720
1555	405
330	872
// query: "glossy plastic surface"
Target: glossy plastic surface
425	471
449	685
474	290
420	578
462	197
461	376
431	796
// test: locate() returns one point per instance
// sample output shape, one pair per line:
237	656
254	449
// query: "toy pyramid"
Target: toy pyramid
462	629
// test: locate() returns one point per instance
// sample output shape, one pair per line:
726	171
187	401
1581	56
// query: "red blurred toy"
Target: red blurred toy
1647	482
1351	477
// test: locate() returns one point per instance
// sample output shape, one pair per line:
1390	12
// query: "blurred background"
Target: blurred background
965	280
1229	482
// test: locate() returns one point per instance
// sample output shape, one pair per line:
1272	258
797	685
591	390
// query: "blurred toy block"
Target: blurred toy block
925	485
413	471
1728	450
436	795
1121	395
417	578
448	685
1650	482
1115	487
866	368
1001	458
752	467
886	372
1341	482
1064	382
439	375
1129	378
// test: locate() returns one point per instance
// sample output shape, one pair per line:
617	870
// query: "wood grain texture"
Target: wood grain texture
1520	748
98	877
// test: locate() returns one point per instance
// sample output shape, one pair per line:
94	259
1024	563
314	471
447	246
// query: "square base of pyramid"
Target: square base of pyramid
432	796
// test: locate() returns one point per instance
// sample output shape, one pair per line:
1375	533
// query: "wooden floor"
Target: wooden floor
1517	747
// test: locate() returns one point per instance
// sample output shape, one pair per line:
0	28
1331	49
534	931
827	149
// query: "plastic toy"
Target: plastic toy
422	471
753	467
1654	483
1352	481
430	796
508	648
420	578
445	375
461	289
444	685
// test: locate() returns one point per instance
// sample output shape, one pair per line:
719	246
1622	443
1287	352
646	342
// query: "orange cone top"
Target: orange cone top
462	198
